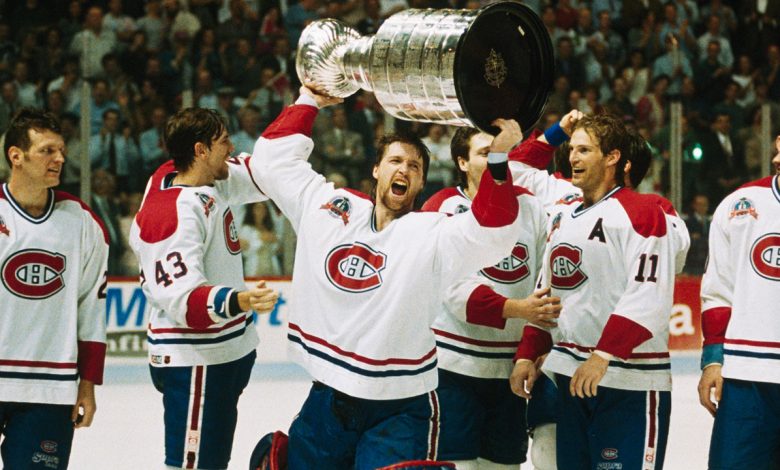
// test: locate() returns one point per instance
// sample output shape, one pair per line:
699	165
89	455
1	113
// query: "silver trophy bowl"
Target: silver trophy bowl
455	67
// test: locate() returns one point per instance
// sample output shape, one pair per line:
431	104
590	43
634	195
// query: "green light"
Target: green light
697	153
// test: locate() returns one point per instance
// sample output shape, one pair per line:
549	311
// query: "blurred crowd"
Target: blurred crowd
142	60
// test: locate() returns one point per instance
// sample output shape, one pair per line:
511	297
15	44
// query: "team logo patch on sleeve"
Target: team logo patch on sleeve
765	256
512	269
355	268
743	207
207	202
339	207
569	199
34	274
231	233
565	261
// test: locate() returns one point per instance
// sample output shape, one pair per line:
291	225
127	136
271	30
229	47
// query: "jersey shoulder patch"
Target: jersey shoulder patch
645	213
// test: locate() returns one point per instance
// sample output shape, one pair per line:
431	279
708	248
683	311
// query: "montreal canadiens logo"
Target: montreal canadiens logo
512	269
355	268
609	453
565	263
34	274
231	234
765	256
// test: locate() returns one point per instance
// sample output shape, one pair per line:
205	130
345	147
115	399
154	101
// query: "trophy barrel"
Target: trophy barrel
457	67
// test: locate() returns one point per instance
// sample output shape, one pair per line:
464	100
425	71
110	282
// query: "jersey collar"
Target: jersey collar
18	208
578	211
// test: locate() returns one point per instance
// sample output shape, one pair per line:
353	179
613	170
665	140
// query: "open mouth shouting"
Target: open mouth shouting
399	188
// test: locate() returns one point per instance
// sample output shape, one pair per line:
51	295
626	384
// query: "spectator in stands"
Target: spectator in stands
128	263
723	160
207	53
441	168
713	33
242	24
71	170
651	108
549	21
29	92
119	82
118	22
568	64
372	21
750	140
711	75
55	103
635	12
242	69
178	20
745	75
152	25
698	220
728	20
227	108
615	45
759	27
100	102
71	23
598	71
104	204
204	95
728	105
153	153
674	64
113	150
249	129
259	242
271	96
9	103
51	55
29	16
341	148
583	31
271	26
281	58
771	71
298	16
619	103
673	24
93	42
559	97
69	83
643	36
762	98
565	15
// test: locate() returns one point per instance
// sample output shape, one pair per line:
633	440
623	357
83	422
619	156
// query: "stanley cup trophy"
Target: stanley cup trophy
456	67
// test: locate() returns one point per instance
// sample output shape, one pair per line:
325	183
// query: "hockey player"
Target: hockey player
53	258
611	257
201	334
739	293
364	276
479	326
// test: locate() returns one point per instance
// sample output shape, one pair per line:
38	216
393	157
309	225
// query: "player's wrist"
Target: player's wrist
603	355
555	135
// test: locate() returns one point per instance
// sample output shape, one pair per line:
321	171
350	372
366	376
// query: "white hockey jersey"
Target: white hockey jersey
741	285
186	242
471	336
364	300
613	266
53	322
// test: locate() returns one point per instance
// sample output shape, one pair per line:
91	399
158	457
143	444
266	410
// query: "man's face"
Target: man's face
399	178
216	157
776	159
111	122
42	163
588	163
479	147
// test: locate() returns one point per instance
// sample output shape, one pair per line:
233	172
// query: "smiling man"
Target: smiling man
367	279
201	333
53	256
611	257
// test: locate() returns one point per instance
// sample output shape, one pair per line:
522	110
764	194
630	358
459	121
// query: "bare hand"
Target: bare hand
537	308
569	120
321	99
510	135
586	378
523	377
711	383
260	298
85	407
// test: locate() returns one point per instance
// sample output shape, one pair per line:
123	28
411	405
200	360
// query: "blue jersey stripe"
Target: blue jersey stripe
358	370
37	376
619	364
481	354
218	339
758	355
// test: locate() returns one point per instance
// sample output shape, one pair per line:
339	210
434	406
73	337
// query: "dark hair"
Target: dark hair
388	139
640	155
18	133
187	128
459	147
612	135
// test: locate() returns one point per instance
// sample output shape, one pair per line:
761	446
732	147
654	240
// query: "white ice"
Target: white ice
128	433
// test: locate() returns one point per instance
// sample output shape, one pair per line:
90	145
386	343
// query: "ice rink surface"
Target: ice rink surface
128	433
